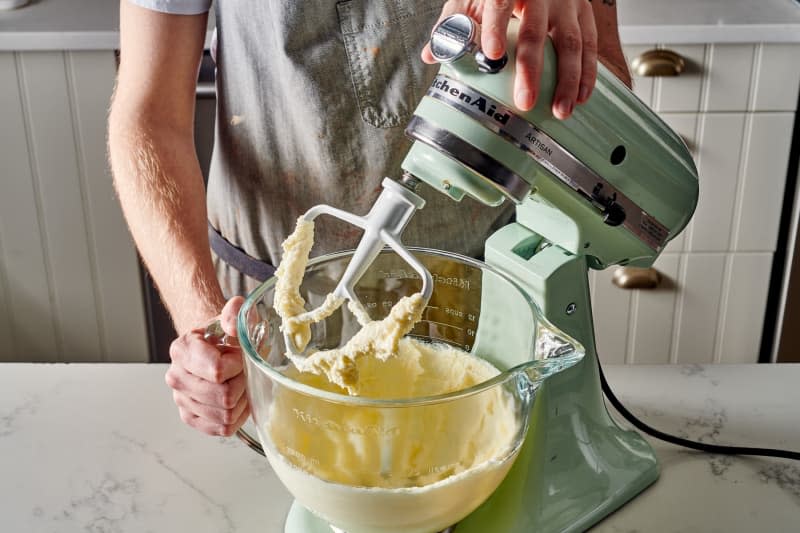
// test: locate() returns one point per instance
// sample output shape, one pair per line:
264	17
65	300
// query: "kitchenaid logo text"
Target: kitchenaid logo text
474	104
471	100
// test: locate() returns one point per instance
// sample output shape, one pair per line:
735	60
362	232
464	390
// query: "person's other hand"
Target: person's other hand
207	381
571	25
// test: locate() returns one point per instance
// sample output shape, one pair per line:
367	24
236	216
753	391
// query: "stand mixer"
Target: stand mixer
609	186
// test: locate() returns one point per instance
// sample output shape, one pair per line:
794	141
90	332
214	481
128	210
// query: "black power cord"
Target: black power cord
703	447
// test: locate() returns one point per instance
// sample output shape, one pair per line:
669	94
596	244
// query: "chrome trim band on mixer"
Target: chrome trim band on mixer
456	148
615	207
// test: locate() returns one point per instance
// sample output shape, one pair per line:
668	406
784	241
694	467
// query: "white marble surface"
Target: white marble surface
94	24
100	449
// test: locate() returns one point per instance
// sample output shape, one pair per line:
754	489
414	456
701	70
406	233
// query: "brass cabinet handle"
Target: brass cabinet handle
658	63
636	278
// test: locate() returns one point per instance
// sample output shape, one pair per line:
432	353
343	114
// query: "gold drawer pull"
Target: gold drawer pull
636	278
658	63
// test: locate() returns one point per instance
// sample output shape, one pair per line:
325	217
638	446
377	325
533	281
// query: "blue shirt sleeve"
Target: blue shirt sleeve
177	7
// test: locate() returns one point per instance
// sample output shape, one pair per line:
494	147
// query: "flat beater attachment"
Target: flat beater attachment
383	225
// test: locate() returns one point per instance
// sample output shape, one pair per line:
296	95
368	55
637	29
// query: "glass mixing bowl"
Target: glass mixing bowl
396	461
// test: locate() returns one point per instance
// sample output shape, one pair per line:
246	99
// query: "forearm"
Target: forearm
160	188
608	44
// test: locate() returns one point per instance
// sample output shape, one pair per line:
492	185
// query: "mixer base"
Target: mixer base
301	520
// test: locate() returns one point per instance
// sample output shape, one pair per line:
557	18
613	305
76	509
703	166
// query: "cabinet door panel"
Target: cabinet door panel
682	93
764	178
23	266
698	303
728	75
69	278
611	310
718	167
744	303
652	312
62	199
777	77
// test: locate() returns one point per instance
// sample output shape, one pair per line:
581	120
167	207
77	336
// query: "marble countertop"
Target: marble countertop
100	448
94	24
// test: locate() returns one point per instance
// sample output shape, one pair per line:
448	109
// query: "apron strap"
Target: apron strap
238	258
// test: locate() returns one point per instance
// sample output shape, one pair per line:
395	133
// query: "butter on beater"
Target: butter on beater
378	339
288	302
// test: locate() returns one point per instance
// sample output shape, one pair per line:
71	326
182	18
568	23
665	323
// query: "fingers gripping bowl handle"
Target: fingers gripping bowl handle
215	335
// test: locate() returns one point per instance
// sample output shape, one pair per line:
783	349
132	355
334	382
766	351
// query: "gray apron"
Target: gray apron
313	98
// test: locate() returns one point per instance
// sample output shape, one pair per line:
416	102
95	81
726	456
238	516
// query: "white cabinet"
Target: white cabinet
735	107
70	286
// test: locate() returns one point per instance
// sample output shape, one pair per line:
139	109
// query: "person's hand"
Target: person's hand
570	23
208	382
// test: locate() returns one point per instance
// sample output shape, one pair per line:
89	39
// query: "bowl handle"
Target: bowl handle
245	437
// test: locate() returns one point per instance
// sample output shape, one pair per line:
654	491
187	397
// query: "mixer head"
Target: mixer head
613	181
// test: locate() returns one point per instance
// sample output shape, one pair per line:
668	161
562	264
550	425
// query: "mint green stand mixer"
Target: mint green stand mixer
609	186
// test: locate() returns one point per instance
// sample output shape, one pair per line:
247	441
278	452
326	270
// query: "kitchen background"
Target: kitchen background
72	288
